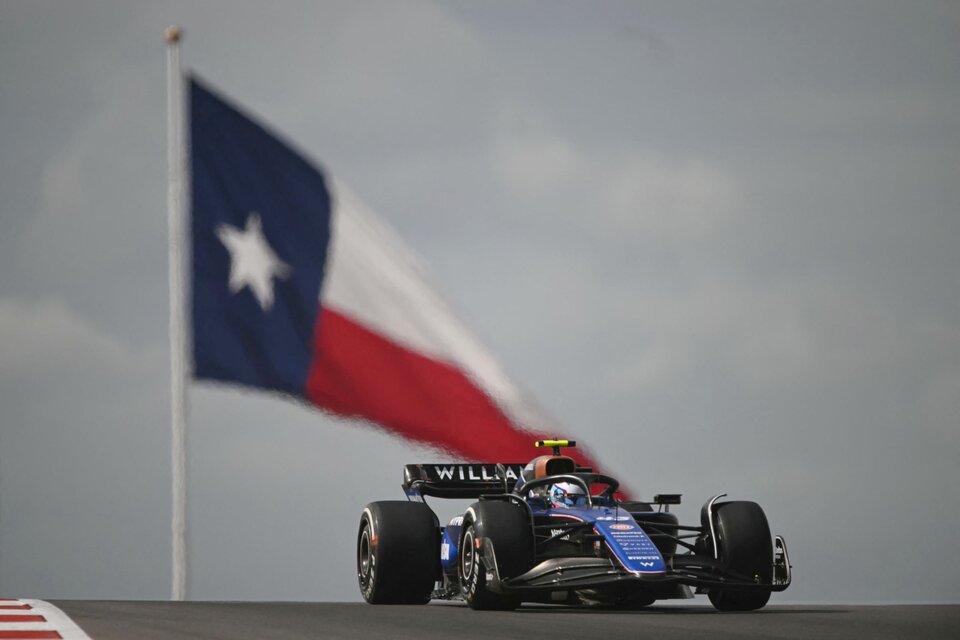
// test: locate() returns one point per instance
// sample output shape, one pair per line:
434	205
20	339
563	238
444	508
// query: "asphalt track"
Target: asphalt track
109	620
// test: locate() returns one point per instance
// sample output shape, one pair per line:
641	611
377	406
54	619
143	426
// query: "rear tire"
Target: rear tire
661	526
507	525
398	552
746	548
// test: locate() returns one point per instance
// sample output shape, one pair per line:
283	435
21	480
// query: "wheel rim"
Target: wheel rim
468	558
364	557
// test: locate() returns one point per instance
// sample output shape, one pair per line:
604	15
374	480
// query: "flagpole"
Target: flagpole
178	411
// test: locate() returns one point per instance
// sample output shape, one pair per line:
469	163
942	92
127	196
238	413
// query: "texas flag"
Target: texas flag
298	288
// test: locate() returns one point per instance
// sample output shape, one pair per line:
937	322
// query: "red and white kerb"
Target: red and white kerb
36	619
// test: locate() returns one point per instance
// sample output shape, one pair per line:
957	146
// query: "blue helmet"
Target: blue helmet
567	494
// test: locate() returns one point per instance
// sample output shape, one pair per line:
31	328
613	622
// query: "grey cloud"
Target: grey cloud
721	253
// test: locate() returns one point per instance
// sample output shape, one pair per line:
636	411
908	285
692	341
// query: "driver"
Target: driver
567	494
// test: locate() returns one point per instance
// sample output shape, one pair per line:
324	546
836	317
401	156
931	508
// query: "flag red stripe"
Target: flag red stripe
358	373
22	618
28	635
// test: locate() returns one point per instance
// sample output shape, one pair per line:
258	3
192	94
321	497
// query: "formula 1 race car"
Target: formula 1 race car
553	532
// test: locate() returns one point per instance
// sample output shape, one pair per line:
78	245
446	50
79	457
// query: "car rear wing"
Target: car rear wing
459	480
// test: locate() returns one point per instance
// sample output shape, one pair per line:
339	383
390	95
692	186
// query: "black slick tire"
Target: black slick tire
507	525
398	552
745	548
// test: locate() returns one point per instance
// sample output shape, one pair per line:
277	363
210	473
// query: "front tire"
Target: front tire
398	552
507	525
746	548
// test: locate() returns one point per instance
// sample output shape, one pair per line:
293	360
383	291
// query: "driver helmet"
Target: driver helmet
567	494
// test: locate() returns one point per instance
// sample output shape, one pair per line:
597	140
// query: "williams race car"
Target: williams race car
552	532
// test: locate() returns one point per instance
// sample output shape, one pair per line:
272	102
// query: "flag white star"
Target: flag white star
252	261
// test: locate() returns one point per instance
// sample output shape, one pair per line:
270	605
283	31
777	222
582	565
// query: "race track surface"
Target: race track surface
105	620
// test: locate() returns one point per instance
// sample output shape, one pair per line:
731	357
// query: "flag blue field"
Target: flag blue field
298	288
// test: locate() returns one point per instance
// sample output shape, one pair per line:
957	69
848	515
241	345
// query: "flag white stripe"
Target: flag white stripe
373	278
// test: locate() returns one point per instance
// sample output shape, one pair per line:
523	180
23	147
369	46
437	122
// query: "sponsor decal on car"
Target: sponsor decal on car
485	472
632	546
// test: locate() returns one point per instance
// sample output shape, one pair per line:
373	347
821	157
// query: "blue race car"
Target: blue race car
552	532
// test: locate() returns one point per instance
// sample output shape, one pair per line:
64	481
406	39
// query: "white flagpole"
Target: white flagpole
178	409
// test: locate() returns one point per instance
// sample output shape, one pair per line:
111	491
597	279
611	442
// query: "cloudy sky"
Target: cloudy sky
717	241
